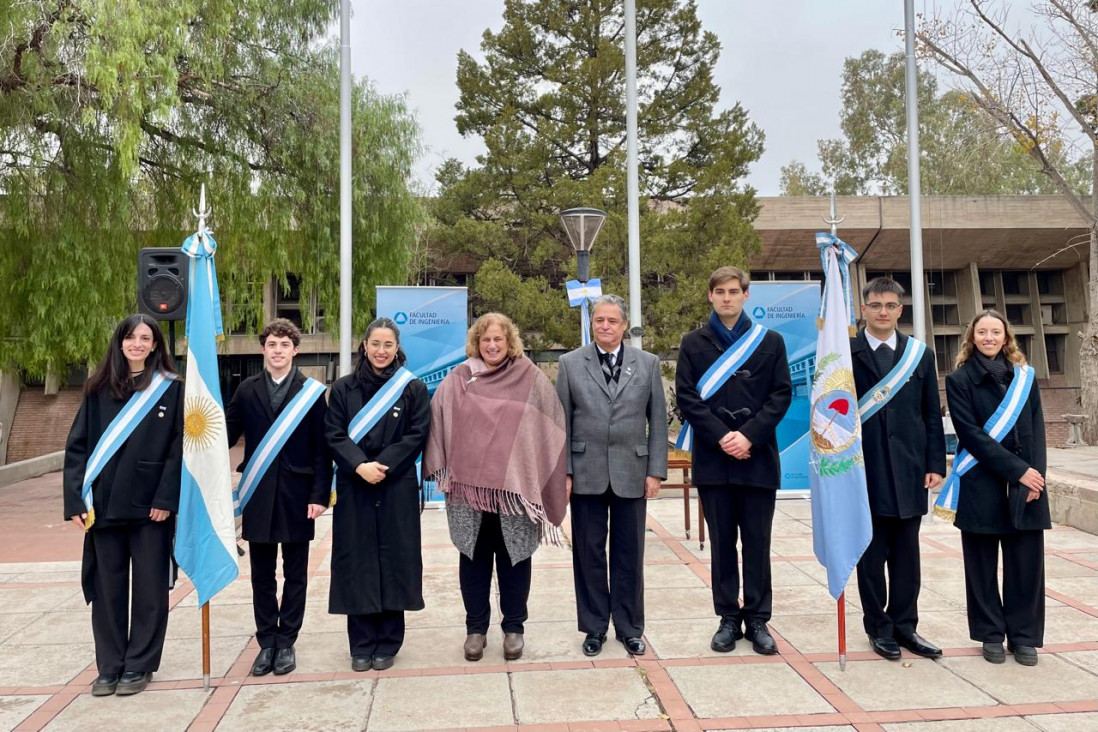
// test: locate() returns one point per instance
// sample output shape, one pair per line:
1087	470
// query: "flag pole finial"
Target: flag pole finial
202	211
832	221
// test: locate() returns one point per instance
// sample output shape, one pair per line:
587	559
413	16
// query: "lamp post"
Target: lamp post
582	225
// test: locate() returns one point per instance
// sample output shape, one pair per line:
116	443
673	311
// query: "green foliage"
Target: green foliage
797	180
111	114
549	102
963	151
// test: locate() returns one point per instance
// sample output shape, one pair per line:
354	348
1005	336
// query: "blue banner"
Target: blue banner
790	309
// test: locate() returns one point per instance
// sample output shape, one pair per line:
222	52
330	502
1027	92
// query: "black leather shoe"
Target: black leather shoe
264	662
994	653
1025	655
761	640
132	682
104	684
381	662
724	640
635	646
361	663
886	648
285	661
919	645
592	644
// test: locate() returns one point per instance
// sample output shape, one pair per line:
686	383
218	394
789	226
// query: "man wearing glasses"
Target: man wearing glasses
904	447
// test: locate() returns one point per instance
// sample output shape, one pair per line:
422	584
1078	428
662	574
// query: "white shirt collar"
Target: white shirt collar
874	341
616	351
280	379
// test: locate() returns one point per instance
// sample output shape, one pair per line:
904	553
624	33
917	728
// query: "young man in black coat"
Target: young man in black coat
904	448
736	466
291	495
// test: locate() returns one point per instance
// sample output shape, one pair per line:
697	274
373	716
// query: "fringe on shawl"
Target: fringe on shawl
496	500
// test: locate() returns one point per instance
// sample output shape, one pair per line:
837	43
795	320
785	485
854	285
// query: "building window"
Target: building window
1050	283
291	305
945	315
1015	283
945	352
987	286
942	283
1019	314
1024	343
1054	346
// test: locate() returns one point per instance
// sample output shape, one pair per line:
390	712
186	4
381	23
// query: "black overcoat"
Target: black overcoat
982	506
766	391
145	471
302	473
377	563
904	440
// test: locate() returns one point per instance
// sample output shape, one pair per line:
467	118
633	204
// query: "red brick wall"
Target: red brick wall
41	422
1056	401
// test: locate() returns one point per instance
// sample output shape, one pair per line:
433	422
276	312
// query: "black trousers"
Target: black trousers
1019	615
277	626
893	608
475	576
744	512
623	597
376	634
129	632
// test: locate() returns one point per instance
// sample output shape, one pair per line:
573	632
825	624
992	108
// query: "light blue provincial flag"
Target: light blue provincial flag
841	522
579	293
205	543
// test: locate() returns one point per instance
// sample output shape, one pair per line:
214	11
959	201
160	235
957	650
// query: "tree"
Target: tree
549	102
1036	85
112	113
797	180
962	150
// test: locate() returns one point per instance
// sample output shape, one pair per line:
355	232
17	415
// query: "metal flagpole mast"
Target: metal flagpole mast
840	605
201	213
918	281
636	329
344	187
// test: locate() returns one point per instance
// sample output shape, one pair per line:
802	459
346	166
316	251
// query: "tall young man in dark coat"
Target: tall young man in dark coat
291	495
904	448
736	465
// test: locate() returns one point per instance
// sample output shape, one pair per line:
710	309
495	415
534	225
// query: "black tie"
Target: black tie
609	369
884	356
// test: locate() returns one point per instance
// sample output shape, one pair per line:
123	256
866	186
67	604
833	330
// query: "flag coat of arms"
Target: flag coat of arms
205	544
841	523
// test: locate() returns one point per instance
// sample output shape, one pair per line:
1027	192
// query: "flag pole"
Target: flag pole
202	213
842	631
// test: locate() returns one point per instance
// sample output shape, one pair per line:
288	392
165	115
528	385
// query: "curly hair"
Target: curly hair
482	324
280	328
1011	351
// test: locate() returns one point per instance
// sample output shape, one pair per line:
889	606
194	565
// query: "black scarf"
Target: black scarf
725	335
371	380
998	368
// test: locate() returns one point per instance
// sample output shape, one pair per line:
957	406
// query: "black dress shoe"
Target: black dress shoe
761	640
361	663
380	662
285	661
1025	655
919	645
264	662
994	653
132	682
104	684
592	644
635	646
724	640
886	648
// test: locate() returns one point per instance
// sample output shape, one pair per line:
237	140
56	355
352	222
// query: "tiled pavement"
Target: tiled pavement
46	656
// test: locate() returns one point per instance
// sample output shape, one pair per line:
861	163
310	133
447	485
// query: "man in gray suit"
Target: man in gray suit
616	419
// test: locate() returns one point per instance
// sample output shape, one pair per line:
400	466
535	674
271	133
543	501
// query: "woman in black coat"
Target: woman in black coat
1002	500
133	500
377	565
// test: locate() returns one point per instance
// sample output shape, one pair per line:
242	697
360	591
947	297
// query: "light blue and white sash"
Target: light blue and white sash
876	398
116	434
719	373
997	426
273	442
374	410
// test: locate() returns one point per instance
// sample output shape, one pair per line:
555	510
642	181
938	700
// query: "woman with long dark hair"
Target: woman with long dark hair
1000	500
377	425
122	470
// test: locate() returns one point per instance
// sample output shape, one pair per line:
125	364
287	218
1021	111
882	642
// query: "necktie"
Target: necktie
884	355
608	369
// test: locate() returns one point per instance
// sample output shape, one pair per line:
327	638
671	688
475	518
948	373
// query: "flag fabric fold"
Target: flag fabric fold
841	523
579	294
205	543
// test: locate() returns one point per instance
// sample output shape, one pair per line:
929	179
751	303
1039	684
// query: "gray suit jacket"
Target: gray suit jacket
617	433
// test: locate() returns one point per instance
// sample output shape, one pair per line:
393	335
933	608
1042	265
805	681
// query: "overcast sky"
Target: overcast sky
781	60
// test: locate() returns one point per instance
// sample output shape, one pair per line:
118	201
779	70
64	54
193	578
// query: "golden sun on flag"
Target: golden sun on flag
201	423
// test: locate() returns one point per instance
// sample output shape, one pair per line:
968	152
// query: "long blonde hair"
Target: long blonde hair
1011	351
486	321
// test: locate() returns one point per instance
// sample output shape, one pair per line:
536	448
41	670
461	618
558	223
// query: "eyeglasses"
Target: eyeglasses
889	306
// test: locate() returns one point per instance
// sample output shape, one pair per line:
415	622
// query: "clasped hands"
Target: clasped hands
1032	479
736	445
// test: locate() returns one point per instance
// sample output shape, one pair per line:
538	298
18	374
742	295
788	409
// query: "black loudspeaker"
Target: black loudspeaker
162	282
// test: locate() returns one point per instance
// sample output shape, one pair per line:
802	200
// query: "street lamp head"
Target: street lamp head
582	226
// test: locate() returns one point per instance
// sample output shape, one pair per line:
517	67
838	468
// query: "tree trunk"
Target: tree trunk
1088	348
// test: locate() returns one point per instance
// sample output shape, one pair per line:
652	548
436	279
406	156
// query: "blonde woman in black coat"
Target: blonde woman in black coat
1002	501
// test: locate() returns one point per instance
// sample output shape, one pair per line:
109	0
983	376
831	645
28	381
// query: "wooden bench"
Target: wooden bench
677	459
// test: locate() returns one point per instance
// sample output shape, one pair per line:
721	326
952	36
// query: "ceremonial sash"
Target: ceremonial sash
997	427
876	398
116	434
374	410
719	373
273	442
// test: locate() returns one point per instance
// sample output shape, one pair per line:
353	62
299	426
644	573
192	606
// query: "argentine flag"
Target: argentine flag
841	522
205	542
